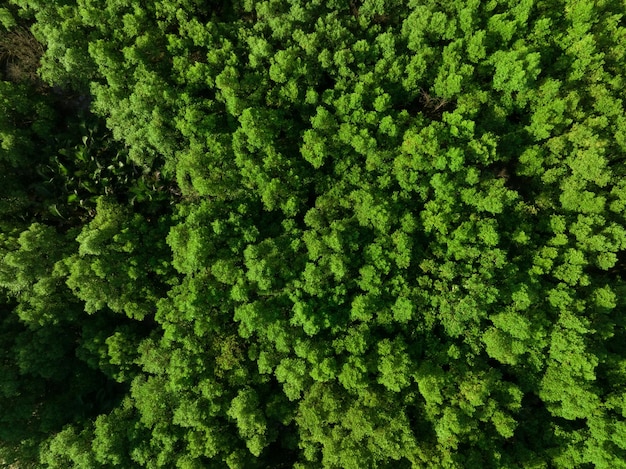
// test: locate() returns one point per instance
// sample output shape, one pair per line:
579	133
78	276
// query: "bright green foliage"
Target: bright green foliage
111	270
333	234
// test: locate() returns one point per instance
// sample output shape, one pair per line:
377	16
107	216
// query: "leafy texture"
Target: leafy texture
312	234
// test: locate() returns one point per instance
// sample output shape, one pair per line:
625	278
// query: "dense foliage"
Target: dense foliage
286	233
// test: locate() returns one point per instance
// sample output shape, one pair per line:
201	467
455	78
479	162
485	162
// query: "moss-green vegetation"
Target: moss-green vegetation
343	234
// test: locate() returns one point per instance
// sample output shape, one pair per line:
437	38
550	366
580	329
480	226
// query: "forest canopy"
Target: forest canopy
341	234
